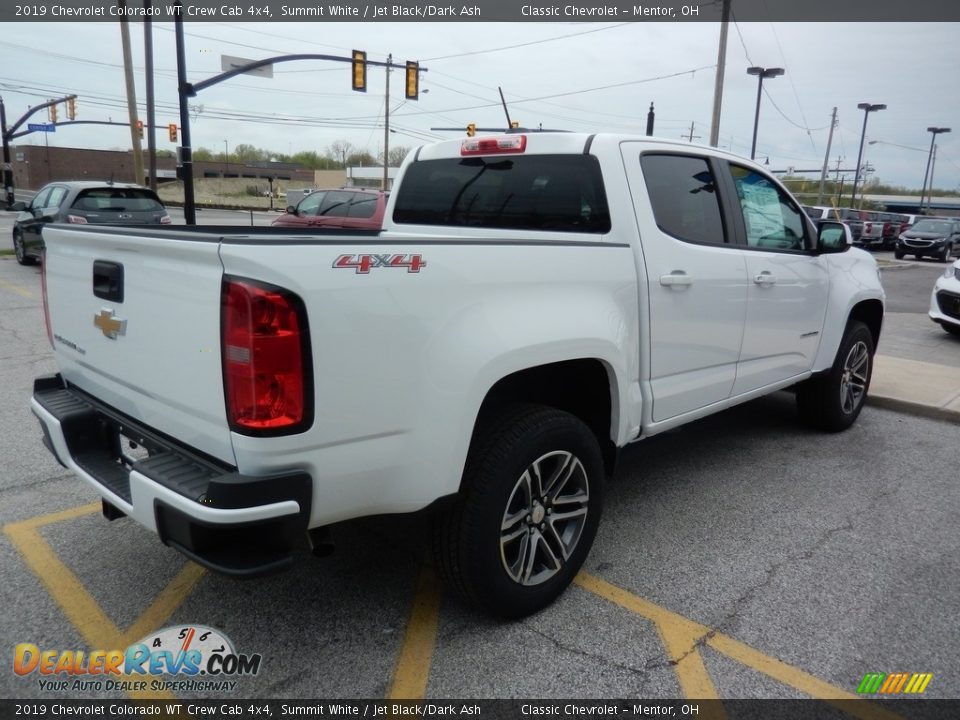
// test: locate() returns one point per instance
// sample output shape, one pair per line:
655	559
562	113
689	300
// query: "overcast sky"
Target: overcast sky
553	79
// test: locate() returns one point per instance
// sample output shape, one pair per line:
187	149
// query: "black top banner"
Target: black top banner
543	709
482	11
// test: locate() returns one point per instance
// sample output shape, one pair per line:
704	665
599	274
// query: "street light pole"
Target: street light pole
934	131
226	157
761	73
867	109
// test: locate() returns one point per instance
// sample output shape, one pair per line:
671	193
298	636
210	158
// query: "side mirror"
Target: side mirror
833	237
291	210
18	206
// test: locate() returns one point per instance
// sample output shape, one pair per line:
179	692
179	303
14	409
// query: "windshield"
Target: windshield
109	199
931	226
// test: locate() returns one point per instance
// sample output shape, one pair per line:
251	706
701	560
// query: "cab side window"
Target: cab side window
771	219
363	206
40	199
56	199
683	193
310	205
336	204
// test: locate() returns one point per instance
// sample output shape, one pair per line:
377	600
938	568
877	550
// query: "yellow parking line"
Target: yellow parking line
680	636
83	612
167	601
23	292
413	664
682	633
64	587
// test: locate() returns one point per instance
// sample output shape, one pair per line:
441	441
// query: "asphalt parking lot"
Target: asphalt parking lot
741	556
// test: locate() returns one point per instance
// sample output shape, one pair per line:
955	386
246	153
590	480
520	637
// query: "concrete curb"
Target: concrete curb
914	408
887	265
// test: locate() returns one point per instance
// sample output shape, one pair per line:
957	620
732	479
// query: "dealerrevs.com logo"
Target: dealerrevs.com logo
894	683
196	656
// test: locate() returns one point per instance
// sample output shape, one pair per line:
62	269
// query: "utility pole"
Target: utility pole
691	136
386	129
151	110
131	94
826	157
7	167
718	82
650	118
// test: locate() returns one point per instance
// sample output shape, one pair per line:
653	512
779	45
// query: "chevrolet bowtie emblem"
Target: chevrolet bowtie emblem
109	325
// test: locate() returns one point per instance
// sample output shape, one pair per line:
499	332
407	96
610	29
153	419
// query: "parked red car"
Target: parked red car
353	208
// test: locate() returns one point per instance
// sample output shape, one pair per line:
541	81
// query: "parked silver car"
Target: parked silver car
82	202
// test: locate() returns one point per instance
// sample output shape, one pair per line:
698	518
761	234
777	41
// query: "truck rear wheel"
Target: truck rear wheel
527	512
833	401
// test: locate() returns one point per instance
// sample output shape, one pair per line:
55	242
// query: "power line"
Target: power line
526	44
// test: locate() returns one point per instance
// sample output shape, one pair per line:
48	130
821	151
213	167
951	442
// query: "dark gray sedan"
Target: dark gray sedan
82	202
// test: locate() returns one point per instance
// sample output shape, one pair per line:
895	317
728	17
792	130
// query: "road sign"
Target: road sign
228	62
41	127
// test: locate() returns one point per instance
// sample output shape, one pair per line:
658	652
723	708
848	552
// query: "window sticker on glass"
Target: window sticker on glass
771	220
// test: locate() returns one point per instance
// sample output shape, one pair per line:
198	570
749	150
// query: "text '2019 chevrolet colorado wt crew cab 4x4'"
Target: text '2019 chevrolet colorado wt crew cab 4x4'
534	302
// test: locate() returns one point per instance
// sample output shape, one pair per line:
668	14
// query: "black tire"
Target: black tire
19	250
952	329
946	253
898	255
482	544
832	401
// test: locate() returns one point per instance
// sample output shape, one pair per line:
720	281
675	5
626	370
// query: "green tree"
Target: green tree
361	159
245	153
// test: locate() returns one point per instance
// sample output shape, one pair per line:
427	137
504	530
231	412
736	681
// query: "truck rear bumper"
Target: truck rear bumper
228	522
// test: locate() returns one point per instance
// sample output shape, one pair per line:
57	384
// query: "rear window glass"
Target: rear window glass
117	200
535	192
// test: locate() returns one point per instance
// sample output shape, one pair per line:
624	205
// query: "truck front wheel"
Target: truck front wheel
527	512
833	401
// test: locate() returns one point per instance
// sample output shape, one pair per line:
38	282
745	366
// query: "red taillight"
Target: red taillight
165	219
505	145
43	292
266	365
77	219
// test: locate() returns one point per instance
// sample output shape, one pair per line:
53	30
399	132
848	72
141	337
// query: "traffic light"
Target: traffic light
53	113
172	129
471	129
72	108
358	72
140	128
413	80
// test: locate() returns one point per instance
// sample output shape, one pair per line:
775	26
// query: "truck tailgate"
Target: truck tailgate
135	320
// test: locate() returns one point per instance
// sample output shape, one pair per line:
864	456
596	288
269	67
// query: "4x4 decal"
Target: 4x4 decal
362	264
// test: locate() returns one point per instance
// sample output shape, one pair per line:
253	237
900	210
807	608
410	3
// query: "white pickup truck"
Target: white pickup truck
534	302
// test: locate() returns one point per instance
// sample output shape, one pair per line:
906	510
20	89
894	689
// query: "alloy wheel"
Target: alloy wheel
853	384
544	518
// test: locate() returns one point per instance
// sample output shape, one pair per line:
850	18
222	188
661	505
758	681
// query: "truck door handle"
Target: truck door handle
765	278
677	277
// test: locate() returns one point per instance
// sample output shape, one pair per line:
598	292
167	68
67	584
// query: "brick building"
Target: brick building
36	165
